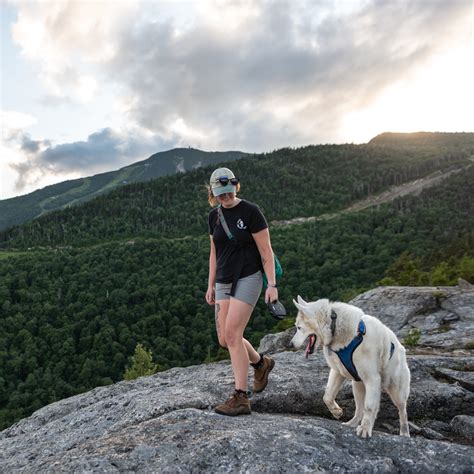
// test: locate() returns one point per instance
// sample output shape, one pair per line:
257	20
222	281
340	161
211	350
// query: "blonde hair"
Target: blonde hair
212	200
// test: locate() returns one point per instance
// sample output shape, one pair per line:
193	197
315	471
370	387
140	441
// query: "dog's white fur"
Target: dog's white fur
376	369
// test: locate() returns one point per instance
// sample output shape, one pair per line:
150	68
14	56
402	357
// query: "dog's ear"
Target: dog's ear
301	300
300	304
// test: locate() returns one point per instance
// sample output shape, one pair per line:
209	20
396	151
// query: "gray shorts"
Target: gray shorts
248	289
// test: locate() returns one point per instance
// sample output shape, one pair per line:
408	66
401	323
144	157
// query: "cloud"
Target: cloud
248	75
13	123
221	74
102	151
276	76
69	41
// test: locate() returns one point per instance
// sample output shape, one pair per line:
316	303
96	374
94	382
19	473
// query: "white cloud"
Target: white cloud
253	81
70	40
12	123
102	151
248	75
13	126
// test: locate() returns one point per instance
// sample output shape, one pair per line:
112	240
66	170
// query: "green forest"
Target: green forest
80	288
286	183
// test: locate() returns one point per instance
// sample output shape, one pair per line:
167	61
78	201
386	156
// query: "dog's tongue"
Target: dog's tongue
311	344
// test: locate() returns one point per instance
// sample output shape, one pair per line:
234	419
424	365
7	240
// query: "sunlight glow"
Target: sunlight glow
439	98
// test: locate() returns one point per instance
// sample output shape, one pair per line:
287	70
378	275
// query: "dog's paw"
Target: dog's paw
352	423
404	429
337	412
364	432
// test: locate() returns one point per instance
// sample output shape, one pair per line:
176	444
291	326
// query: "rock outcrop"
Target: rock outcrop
165	422
443	314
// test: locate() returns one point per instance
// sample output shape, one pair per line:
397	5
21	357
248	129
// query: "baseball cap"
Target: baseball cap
216	187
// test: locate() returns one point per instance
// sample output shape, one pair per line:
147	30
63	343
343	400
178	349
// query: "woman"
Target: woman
235	281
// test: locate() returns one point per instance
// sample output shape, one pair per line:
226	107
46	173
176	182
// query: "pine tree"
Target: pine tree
142	364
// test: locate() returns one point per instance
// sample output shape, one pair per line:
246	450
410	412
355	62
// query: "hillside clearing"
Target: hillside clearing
413	187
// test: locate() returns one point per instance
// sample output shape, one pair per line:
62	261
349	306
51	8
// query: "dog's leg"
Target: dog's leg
399	396
358	390
371	406
334	384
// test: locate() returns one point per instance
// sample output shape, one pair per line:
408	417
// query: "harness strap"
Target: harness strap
345	354
238	270
224	223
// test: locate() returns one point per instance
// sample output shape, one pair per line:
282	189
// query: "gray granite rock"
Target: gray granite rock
444	314
165	423
191	440
278	342
464	426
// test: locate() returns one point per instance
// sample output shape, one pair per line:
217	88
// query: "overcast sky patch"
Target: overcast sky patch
251	76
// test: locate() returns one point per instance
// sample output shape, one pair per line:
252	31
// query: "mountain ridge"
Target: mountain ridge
335	176
20	209
457	140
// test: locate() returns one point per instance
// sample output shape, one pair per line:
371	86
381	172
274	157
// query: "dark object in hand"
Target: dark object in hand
277	310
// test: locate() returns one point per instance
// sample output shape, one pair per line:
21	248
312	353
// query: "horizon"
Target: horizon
87	89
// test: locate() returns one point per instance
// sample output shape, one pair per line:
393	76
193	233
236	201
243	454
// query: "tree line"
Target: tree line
286	183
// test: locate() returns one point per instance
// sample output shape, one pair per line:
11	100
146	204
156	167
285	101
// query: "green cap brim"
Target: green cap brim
218	190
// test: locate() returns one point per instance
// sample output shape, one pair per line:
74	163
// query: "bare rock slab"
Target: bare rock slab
444	314
165	423
191	440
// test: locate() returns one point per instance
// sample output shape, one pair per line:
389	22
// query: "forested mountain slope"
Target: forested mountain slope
462	141
286	183
394	192
131	267
16	211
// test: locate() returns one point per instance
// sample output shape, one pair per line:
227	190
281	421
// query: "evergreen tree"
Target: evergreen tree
142	364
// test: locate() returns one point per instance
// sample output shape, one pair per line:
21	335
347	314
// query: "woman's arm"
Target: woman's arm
262	239
210	294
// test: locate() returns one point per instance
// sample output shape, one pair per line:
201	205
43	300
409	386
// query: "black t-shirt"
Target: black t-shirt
243	220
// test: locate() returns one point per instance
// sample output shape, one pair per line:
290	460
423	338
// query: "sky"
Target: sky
91	86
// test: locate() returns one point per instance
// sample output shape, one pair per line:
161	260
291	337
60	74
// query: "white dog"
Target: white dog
360	348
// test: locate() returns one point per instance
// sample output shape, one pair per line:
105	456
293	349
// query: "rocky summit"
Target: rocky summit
165	422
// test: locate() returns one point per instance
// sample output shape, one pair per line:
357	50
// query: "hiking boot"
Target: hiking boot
261	374
237	404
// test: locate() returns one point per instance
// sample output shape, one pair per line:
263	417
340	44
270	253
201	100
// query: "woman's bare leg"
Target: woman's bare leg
221	310
237	318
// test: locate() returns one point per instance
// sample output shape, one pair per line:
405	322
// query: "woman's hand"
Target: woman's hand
211	296
271	294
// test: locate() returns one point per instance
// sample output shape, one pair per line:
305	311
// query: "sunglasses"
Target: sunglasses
224	180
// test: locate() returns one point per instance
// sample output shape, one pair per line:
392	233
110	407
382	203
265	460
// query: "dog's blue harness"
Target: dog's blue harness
345	354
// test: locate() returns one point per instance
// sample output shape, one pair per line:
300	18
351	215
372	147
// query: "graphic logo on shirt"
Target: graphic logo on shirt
240	224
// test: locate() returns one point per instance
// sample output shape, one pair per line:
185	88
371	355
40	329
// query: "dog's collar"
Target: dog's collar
360	327
333	322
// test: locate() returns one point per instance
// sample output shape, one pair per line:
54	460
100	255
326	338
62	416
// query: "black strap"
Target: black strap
240	265
224	223
333	322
